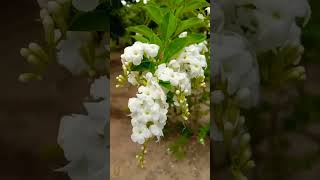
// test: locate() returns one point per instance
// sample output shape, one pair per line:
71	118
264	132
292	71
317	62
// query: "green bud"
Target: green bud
26	77
25	52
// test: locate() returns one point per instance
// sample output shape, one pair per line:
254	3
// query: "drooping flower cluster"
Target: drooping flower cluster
134	54
148	111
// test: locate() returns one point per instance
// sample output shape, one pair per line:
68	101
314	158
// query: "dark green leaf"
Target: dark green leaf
145	65
97	20
170	97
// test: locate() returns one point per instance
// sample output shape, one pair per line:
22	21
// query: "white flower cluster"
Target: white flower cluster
176	78
148	111
133	56
135	53
126	3
192	60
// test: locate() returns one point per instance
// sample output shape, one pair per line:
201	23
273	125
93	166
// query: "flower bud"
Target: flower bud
54	7
48	25
47	21
44	13
32	59
247	154
297	73
25	52
26	77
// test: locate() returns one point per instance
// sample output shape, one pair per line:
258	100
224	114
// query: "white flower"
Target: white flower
133	54
183	34
201	17
100	88
123	2
132	78
69	52
156	130
237	65
140	134
208	10
151	50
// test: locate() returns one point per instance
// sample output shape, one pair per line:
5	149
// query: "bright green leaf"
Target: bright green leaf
168	25
192	5
155	13
140	38
143	30
178	44
190	23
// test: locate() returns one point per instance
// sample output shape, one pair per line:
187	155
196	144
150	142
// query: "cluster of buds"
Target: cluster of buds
35	55
180	101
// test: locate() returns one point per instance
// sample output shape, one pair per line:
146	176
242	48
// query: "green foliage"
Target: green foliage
177	147
165	84
203	132
97	20
145	65
179	44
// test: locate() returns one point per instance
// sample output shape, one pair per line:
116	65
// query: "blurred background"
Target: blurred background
285	131
30	112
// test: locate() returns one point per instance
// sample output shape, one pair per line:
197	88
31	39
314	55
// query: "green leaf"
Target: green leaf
97	20
203	132
156	40
192	5
170	97
143	30
195	38
154	12
174	3
140	38
190	23
145	65
165	84
179	43
146	32
168	25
